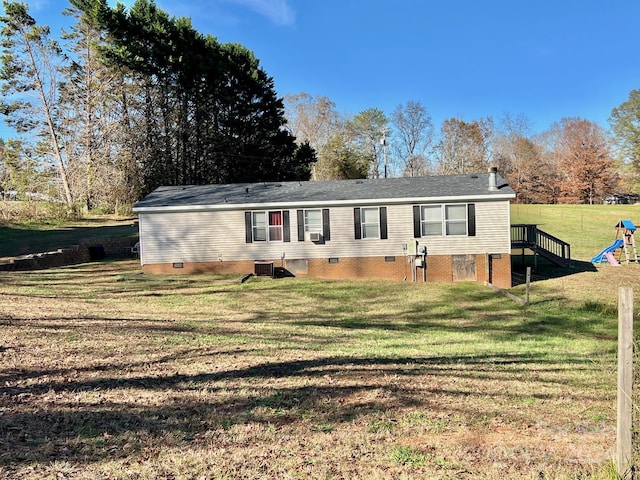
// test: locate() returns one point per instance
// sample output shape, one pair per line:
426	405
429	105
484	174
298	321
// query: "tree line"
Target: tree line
131	99
574	161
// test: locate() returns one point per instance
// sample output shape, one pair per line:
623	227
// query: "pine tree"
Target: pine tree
92	115
30	68
209	113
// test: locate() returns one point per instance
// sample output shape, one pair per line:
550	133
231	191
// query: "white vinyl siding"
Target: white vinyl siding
209	236
493	233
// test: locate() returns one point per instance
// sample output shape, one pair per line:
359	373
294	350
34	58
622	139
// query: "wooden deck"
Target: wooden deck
530	237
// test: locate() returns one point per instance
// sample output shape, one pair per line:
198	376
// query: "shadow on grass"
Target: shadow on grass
110	408
23	239
65	425
544	269
432	365
458	309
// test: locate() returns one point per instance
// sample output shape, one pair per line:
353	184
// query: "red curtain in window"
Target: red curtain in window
275	226
275	218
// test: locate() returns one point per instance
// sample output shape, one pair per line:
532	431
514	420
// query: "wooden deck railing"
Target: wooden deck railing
548	246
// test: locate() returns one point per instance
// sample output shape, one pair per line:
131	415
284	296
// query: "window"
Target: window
448	220
431	220
370	222
275	226
313	221
455	219
270	226
259	223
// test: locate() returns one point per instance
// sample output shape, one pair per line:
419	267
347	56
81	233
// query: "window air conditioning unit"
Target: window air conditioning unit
315	236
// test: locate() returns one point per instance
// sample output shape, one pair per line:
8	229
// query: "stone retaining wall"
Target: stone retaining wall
90	250
114	247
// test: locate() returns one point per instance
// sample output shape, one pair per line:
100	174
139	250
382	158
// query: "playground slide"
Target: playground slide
611	259
602	256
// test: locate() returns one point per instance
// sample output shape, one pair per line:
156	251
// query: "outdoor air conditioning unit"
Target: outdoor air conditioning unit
263	269
315	236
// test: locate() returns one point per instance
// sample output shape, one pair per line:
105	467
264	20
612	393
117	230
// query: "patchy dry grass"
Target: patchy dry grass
106	373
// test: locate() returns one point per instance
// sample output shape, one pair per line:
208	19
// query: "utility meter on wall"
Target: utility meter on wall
412	246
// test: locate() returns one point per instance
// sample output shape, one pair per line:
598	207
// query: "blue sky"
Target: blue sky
459	58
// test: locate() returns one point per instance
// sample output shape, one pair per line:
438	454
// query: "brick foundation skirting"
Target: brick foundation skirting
441	268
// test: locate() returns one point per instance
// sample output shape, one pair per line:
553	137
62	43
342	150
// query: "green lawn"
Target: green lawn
33	237
588	228
109	373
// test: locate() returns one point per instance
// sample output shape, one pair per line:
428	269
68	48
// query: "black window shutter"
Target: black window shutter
247	227
471	219
286	226
383	223
300	225
356	223
417	230
326	225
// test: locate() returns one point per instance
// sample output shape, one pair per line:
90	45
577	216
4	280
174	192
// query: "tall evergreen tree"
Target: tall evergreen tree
209	113
91	111
30	84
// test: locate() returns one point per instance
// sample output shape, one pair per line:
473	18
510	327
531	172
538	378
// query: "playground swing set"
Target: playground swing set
624	242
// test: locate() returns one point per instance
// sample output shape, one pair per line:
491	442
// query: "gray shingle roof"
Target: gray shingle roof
327	192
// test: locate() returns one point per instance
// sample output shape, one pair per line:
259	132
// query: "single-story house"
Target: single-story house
334	229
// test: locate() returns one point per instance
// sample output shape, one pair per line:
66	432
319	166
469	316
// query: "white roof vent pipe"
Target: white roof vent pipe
493	179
